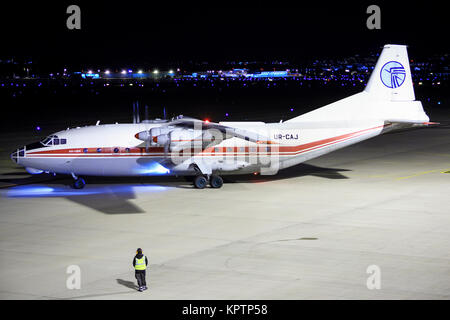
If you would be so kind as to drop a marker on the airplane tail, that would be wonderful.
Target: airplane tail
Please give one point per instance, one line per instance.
(388, 96)
(391, 79)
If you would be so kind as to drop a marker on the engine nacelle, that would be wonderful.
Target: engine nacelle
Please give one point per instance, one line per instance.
(177, 137)
(163, 136)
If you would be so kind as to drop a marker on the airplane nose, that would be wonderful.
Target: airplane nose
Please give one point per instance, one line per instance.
(16, 155)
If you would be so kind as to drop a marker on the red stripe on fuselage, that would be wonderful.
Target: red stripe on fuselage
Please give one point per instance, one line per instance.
(153, 151)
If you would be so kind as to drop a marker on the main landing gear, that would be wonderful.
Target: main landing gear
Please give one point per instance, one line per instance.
(201, 181)
(78, 182)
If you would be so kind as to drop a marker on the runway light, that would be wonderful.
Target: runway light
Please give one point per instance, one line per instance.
(123, 72)
(156, 71)
(140, 71)
(107, 72)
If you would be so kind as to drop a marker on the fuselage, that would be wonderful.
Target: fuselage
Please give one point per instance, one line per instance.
(114, 150)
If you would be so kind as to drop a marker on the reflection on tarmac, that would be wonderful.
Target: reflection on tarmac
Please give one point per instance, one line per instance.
(109, 199)
(31, 191)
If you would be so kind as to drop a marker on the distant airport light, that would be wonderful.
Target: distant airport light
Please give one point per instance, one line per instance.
(123, 72)
(156, 71)
(292, 109)
(170, 71)
(140, 71)
(226, 114)
(38, 128)
(107, 72)
(90, 71)
(130, 71)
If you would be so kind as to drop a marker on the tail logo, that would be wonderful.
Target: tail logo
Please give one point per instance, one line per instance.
(393, 74)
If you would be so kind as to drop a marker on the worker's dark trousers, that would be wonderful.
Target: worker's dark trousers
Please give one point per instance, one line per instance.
(140, 277)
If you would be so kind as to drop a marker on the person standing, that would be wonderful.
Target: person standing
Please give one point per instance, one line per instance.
(140, 263)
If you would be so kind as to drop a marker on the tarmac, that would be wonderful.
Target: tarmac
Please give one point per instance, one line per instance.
(310, 232)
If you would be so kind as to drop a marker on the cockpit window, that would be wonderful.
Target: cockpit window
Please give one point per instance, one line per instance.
(47, 141)
(53, 141)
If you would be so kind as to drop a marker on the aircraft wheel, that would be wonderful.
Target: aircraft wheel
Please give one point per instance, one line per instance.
(216, 181)
(79, 183)
(200, 182)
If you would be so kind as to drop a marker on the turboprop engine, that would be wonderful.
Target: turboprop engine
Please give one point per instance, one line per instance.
(176, 137)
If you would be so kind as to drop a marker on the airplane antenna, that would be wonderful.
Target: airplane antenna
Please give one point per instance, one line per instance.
(164, 112)
(134, 113)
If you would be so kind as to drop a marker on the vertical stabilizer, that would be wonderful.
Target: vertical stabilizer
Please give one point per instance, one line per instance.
(391, 78)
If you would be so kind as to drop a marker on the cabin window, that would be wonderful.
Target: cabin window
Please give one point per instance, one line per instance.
(99, 149)
(85, 150)
(55, 141)
(127, 149)
(116, 150)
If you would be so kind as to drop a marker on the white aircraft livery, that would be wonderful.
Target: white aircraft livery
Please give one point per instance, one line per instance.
(205, 150)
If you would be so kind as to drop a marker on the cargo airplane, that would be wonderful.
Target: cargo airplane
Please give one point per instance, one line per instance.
(205, 150)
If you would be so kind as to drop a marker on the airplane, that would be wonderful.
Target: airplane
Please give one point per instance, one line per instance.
(204, 151)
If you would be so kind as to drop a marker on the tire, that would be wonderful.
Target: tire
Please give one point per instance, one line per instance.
(79, 183)
(216, 181)
(200, 182)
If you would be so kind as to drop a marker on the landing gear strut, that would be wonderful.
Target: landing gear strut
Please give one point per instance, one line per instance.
(78, 182)
(203, 176)
(201, 181)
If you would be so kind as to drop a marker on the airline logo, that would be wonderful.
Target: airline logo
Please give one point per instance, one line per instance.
(393, 74)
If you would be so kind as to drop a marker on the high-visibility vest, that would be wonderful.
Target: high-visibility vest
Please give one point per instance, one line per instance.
(140, 264)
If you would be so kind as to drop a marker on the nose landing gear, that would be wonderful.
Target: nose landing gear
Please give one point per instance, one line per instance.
(78, 182)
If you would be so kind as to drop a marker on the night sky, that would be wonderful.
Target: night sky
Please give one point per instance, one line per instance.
(150, 32)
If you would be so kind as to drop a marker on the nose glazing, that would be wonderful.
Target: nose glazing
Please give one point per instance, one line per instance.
(16, 155)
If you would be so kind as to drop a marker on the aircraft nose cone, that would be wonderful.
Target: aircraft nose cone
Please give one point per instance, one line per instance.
(14, 156)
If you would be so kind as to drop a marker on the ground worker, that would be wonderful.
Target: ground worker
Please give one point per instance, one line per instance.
(140, 263)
